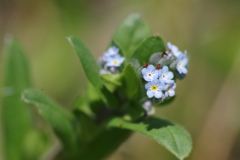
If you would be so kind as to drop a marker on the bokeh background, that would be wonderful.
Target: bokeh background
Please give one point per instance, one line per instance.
(207, 102)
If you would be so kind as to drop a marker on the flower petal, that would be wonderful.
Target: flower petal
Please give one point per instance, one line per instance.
(149, 94)
(169, 75)
(148, 85)
(144, 71)
(158, 94)
(151, 68)
(164, 69)
(171, 93)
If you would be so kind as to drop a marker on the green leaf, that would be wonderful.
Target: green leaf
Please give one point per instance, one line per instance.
(35, 145)
(150, 46)
(171, 136)
(111, 81)
(88, 62)
(132, 82)
(58, 118)
(130, 33)
(110, 138)
(92, 71)
(81, 104)
(15, 113)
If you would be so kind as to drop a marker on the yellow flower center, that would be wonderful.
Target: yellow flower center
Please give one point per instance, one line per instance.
(115, 62)
(179, 64)
(154, 87)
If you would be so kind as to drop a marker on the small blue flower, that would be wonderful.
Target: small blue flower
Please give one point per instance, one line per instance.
(112, 51)
(173, 50)
(165, 76)
(182, 62)
(154, 88)
(115, 61)
(150, 73)
(170, 90)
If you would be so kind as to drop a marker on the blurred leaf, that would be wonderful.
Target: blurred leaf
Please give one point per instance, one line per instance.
(87, 129)
(88, 62)
(150, 46)
(104, 144)
(171, 136)
(15, 114)
(134, 113)
(111, 81)
(131, 81)
(92, 71)
(130, 33)
(81, 104)
(59, 119)
(36, 144)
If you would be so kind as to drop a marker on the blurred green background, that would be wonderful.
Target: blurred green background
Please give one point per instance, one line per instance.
(207, 102)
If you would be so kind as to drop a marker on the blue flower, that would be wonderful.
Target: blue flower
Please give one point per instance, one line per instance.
(112, 51)
(154, 88)
(170, 90)
(182, 62)
(114, 61)
(173, 50)
(165, 76)
(150, 73)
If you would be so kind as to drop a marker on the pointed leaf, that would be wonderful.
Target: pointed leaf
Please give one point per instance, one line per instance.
(92, 71)
(150, 46)
(88, 62)
(59, 119)
(15, 113)
(171, 136)
(130, 33)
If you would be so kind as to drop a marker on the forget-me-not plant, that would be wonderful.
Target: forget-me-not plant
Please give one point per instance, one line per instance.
(115, 61)
(150, 73)
(181, 63)
(165, 76)
(173, 50)
(154, 89)
(170, 90)
(111, 61)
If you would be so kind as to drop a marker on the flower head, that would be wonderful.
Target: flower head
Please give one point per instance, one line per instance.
(154, 88)
(114, 61)
(150, 73)
(112, 51)
(173, 50)
(170, 90)
(182, 62)
(165, 76)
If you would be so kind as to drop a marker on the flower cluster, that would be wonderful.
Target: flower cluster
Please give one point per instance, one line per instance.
(111, 61)
(162, 72)
(181, 58)
(160, 83)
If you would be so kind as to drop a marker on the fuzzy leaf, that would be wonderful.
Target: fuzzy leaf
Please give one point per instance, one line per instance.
(58, 118)
(15, 113)
(92, 71)
(171, 136)
(88, 62)
(130, 33)
(150, 46)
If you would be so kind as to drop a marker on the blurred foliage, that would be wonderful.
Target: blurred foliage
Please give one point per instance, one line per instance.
(208, 30)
